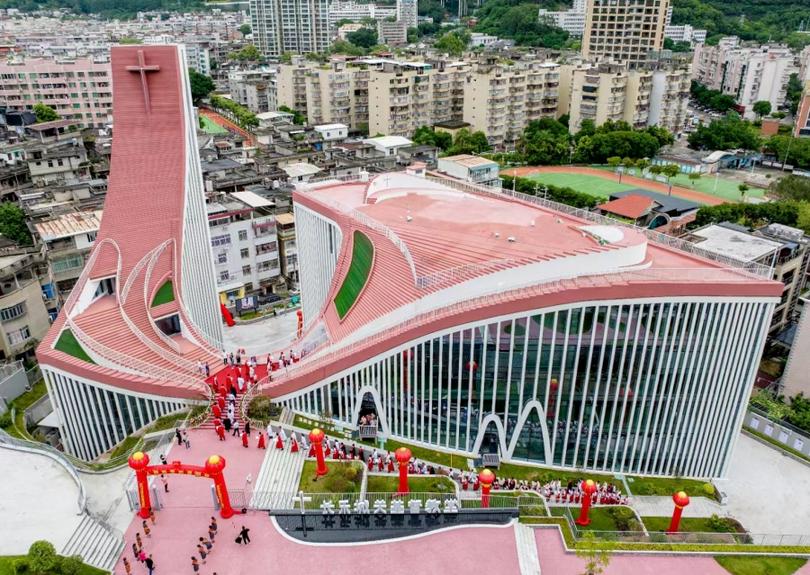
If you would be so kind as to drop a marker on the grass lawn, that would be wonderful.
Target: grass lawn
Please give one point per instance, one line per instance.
(123, 447)
(343, 477)
(308, 423)
(167, 421)
(742, 565)
(602, 518)
(544, 474)
(691, 524)
(211, 127)
(67, 343)
(416, 483)
(666, 486)
(7, 567)
(593, 185)
(359, 270)
(163, 295)
(725, 188)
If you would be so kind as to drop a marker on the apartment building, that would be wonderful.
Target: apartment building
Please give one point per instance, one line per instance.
(67, 240)
(624, 30)
(78, 89)
(501, 100)
(597, 93)
(24, 319)
(288, 249)
(407, 13)
(572, 20)
(295, 26)
(392, 33)
(52, 164)
(803, 114)
(358, 11)
(748, 73)
(254, 89)
(244, 245)
(669, 98)
(685, 33)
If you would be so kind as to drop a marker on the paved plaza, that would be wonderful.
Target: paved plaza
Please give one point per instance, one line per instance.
(273, 332)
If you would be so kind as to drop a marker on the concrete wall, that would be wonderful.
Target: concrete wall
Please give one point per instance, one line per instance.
(782, 433)
(12, 385)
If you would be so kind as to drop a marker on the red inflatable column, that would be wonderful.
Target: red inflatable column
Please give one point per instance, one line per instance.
(213, 467)
(487, 478)
(316, 437)
(403, 455)
(588, 489)
(139, 461)
(681, 500)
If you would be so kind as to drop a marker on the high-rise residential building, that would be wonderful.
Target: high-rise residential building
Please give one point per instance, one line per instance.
(803, 114)
(501, 100)
(747, 73)
(359, 11)
(685, 33)
(296, 26)
(641, 97)
(78, 89)
(572, 20)
(624, 31)
(407, 13)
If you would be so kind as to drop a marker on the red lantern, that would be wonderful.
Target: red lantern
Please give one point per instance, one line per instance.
(316, 436)
(403, 455)
(213, 467)
(487, 478)
(681, 500)
(588, 489)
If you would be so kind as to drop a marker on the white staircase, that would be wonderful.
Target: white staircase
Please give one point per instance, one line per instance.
(278, 478)
(95, 544)
(527, 550)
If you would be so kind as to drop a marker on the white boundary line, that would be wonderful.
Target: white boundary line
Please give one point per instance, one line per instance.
(391, 540)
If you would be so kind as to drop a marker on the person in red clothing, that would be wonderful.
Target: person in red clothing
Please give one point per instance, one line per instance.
(221, 432)
(262, 444)
(244, 439)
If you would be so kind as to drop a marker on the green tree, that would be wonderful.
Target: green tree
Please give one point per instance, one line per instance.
(247, 54)
(126, 40)
(12, 224)
(44, 113)
(347, 48)
(743, 189)
(245, 29)
(670, 171)
(793, 93)
(467, 142)
(726, 133)
(520, 22)
(694, 176)
(762, 108)
(452, 43)
(298, 117)
(426, 136)
(642, 164)
(795, 188)
(593, 553)
(363, 38)
(42, 558)
(793, 151)
(201, 85)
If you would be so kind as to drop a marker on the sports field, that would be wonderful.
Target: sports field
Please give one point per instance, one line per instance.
(592, 185)
(211, 127)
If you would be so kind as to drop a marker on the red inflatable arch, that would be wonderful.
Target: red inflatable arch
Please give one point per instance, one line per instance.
(214, 465)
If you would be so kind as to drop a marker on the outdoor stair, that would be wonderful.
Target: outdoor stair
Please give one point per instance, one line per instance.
(527, 550)
(277, 482)
(95, 544)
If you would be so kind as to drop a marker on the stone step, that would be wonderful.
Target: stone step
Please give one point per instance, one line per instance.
(278, 478)
(95, 544)
(527, 550)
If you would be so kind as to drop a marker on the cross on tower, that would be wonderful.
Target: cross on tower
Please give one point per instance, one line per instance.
(142, 69)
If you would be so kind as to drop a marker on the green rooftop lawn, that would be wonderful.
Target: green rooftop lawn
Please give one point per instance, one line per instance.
(416, 483)
(164, 295)
(342, 477)
(211, 127)
(668, 486)
(748, 565)
(67, 343)
(693, 524)
(357, 276)
(609, 518)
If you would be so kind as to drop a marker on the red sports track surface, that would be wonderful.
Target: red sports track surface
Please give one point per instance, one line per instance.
(228, 125)
(188, 509)
(679, 191)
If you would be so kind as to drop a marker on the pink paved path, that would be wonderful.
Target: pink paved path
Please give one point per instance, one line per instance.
(555, 560)
(188, 509)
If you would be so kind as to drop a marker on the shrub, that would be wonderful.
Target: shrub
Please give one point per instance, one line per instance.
(624, 518)
(71, 565)
(708, 489)
(5, 420)
(42, 558)
(21, 565)
(720, 524)
(263, 409)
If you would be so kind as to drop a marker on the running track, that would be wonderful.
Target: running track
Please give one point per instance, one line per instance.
(679, 191)
(228, 125)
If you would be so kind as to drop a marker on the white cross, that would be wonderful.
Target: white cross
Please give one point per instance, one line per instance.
(303, 501)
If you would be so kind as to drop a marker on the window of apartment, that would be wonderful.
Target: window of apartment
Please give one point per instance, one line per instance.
(222, 258)
(91, 236)
(245, 253)
(223, 240)
(268, 265)
(66, 264)
(246, 270)
(224, 276)
(13, 312)
(19, 336)
(266, 248)
(242, 235)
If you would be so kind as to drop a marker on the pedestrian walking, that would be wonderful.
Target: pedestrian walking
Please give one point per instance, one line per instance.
(127, 567)
(245, 437)
(164, 482)
(135, 550)
(244, 534)
(142, 556)
(247, 427)
(195, 565)
(152, 516)
(139, 541)
(163, 459)
(186, 441)
(220, 432)
(212, 533)
(207, 370)
(214, 524)
(146, 530)
(178, 436)
(235, 428)
(208, 545)
(202, 552)
(150, 564)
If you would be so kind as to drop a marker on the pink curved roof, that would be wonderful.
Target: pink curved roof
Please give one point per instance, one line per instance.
(140, 238)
